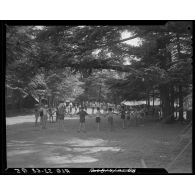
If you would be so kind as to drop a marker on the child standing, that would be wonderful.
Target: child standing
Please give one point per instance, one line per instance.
(104, 108)
(61, 110)
(56, 111)
(93, 107)
(75, 109)
(70, 105)
(85, 106)
(123, 116)
(82, 115)
(110, 118)
(36, 112)
(50, 111)
(128, 115)
(98, 119)
(43, 115)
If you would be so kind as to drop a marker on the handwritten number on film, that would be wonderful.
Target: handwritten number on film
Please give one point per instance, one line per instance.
(21, 170)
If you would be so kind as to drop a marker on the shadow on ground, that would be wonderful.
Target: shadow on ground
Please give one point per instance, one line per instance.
(63, 153)
(152, 143)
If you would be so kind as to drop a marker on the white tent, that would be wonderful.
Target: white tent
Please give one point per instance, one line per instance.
(135, 103)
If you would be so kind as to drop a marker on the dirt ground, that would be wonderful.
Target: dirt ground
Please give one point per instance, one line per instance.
(150, 144)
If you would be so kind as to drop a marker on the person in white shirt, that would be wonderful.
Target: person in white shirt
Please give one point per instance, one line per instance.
(70, 107)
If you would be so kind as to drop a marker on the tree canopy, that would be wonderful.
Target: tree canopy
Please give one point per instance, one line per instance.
(97, 62)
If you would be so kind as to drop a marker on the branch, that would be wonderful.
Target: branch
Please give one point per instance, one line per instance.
(103, 64)
(111, 43)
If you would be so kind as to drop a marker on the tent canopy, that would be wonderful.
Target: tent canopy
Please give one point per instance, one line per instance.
(133, 103)
(136, 103)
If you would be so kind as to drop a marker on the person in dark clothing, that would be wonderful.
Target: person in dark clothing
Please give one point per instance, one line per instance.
(56, 110)
(123, 115)
(98, 118)
(61, 110)
(50, 112)
(41, 113)
(37, 114)
(82, 115)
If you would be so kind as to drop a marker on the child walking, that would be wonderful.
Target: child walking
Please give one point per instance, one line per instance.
(82, 115)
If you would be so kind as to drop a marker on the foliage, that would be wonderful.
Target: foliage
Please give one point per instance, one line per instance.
(84, 62)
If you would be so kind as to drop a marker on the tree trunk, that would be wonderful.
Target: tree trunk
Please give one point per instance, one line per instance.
(39, 100)
(172, 98)
(153, 97)
(180, 103)
(100, 93)
(20, 104)
(180, 86)
(147, 98)
(177, 103)
(160, 107)
(166, 109)
(165, 87)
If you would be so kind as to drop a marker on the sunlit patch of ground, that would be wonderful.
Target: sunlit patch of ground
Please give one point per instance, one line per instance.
(56, 159)
(19, 152)
(67, 152)
(85, 142)
(19, 119)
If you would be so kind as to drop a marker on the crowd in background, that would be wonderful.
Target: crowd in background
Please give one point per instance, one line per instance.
(70, 109)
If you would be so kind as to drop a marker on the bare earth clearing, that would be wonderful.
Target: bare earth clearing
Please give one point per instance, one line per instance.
(151, 144)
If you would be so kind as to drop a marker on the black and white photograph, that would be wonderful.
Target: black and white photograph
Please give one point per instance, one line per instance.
(99, 96)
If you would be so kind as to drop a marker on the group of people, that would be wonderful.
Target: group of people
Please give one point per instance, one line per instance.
(127, 114)
(82, 114)
(43, 112)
